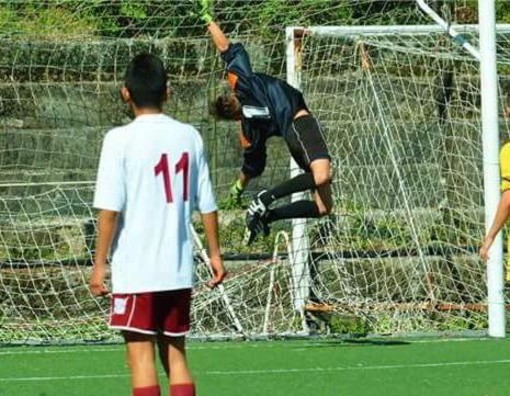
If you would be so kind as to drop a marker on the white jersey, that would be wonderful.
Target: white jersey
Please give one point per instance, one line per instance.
(154, 172)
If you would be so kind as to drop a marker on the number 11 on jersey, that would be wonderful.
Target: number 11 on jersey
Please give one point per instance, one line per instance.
(163, 168)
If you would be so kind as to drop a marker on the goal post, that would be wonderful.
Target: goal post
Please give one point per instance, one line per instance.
(490, 128)
(489, 96)
(446, 26)
(300, 243)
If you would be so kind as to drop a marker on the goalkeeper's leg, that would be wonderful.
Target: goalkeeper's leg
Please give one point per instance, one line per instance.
(259, 216)
(307, 145)
(322, 203)
(258, 210)
(317, 179)
(320, 206)
(302, 182)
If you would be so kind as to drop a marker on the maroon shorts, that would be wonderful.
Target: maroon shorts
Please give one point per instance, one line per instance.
(164, 312)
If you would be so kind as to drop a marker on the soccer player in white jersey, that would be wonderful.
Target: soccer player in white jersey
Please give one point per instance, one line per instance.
(152, 174)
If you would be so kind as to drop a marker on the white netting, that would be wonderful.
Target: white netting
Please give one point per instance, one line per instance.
(403, 119)
(402, 234)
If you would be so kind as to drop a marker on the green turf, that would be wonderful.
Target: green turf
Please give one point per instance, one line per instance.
(283, 368)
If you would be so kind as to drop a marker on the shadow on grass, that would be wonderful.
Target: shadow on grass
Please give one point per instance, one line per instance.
(354, 341)
(376, 342)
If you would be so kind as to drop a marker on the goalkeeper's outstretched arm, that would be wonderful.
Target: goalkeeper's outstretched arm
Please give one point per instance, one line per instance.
(218, 37)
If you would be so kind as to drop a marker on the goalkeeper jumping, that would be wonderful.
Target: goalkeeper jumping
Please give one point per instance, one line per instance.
(266, 107)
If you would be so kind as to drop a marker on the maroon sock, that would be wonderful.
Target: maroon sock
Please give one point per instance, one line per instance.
(147, 391)
(182, 390)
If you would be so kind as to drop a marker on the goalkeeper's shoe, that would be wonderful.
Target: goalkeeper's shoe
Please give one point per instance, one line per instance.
(254, 227)
(255, 219)
(256, 208)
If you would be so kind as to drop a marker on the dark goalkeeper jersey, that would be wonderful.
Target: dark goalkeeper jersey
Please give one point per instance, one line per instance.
(269, 105)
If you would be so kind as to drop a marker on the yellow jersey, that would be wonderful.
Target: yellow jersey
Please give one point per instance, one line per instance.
(504, 166)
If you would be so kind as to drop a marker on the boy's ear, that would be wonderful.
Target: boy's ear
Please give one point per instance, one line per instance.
(125, 95)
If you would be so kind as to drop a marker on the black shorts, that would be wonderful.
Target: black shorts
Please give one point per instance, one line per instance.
(306, 142)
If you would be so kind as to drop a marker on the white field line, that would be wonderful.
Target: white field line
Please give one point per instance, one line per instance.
(359, 367)
(221, 345)
(274, 371)
(119, 348)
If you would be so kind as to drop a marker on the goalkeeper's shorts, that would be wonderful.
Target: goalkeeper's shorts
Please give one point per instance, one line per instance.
(306, 142)
(163, 312)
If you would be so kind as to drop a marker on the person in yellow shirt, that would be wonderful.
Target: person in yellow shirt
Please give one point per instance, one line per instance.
(503, 211)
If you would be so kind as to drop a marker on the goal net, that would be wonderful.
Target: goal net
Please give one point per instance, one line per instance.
(402, 117)
(401, 106)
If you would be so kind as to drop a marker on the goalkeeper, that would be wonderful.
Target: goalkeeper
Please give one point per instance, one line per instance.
(266, 107)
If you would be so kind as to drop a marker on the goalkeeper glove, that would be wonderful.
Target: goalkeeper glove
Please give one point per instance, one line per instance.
(206, 11)
(237, 188)
(234, 196)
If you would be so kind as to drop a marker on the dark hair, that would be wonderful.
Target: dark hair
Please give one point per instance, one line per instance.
(224, 107)
(146, 80)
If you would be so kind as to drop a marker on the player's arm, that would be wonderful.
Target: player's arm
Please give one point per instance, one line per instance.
(206, 204)
(243, 180)
(253, 165)
(106, 225)
(254, 160)
(236, 58)
(210, 221)
(109, 198)
(218, 37)
(502, 214)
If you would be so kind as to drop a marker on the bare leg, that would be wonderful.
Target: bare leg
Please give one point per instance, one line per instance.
(163, 346)
(323, 197)
(179, 371)
(141, 359)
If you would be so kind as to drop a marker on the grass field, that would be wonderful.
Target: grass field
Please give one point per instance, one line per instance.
(477, 367)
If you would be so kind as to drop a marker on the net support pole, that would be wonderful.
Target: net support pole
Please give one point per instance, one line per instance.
(300, 244)
(449, 29)
(490, 140)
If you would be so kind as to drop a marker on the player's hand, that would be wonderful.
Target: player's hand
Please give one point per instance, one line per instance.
(484, 250)
(96, 285)
(206, 11)
(234, 198)
(218, 272)
(234, 195)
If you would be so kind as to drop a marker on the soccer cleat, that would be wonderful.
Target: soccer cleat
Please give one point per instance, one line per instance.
(255, 222)
(257, 225)
(256, 208)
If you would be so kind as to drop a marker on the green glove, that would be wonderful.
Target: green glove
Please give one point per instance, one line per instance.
(206, 11)
(237, 189)
(234, 201)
